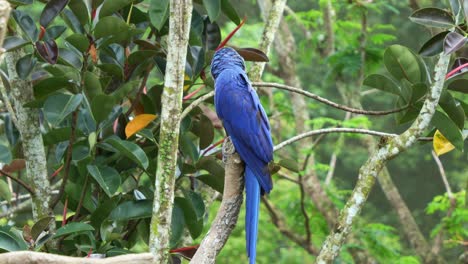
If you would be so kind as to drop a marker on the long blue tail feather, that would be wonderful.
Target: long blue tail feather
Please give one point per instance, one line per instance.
(252, 189)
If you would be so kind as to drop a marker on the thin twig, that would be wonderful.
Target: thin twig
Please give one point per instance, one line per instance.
(443, 175)
(140, 91)
(332, 130)
(195, 103)
(68, 160)
(20, 182)
(326, 101)
(304, 211)
(277, 219)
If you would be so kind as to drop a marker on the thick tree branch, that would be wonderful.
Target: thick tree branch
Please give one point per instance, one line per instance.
(376, 162)
(31, 257)
(160, 229)
(228, 212)
(27, 123)
(326, 101)
(272, 21)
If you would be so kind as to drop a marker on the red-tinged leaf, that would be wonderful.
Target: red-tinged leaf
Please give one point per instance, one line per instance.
(48, 50)
(433, 17)
(14, 166)
(93, 53)
(252, 54)
(51, 10)
(186, 252)
(434, 46)
(223, 43)
(453, 42)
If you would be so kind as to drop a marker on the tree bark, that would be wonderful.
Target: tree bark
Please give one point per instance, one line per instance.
(31, 257)
(27, 122)
(160, 229)
(228, 212)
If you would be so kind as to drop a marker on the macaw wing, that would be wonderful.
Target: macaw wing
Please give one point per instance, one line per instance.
(245, 121)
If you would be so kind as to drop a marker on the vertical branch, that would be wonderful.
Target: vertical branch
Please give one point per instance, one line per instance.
(27, 122)
(271, 26)
(328, 14)
(376, 162)
(179, 28)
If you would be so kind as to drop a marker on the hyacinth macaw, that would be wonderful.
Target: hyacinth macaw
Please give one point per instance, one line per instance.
(244, 119)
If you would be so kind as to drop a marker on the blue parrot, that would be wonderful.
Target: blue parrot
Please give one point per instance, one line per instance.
(245, 121)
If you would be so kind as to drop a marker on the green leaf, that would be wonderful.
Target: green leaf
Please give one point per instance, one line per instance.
(213, 8)
(57, 135)
(112, 70)
(289, 164)
(79, 41)
(81, 11)
(103, 211)
(132, 210)
(139, 56)
(433, 17)
(434, 45)
(158, 13)
(101, 106)
(211, 165)
(5, 192)
(20, 2)
(459, 85)
(194, 225)
(453, 42)
(401, 63)
(111, 6)
(92, 85)
(9, 241)
(109, 26)
(5, 154)
(108, 178)
(382, 83)
(73, 228)
(55, 32)
(130, 150)
(12, 43)
(26, 24)
(453, 109)
(70, 58)
(215, 182)
(25, 65)
(230, 12)
(197, 203)
(41, 226)
(51, 10)
(58, 106)
(449, 129)
(177, 225)
(50, 85)
(124, 90)
(206, 132)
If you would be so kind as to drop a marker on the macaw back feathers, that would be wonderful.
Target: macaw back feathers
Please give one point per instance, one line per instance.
(245, 121)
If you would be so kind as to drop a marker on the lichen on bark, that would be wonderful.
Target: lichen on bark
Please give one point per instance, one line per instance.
(160, 230)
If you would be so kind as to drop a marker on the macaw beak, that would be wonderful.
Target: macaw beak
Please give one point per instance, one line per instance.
(252, 54)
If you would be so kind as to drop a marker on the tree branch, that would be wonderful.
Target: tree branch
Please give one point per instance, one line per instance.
(19, 181)
(196, 103)
(332, 130)
(326, 101)
(31, 257)
(228, 212)
(376, 162)
(279, 222)
(179, 28)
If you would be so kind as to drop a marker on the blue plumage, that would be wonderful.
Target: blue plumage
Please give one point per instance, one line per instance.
(238, 106)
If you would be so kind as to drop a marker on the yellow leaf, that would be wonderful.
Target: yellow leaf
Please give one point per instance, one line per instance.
(441, 144)
(138, 123)
(187, 86)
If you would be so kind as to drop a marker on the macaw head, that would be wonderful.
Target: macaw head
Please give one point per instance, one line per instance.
(226, 58)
